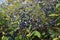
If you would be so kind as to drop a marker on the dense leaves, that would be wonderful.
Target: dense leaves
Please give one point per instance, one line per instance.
(30, 20)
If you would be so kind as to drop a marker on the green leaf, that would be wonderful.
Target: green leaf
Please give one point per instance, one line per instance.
(5, 38)
(54, 15)
(58, 6)
(36, 33)
(58, 23)
(11, 32)
(18, 37)
(55, 38)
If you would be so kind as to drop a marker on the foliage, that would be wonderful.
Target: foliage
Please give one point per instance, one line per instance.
(30, 20)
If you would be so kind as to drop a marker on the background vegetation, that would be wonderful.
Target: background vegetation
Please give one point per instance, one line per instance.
(30, 20)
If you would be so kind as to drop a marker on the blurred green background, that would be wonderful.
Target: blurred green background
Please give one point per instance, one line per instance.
(29, 19)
